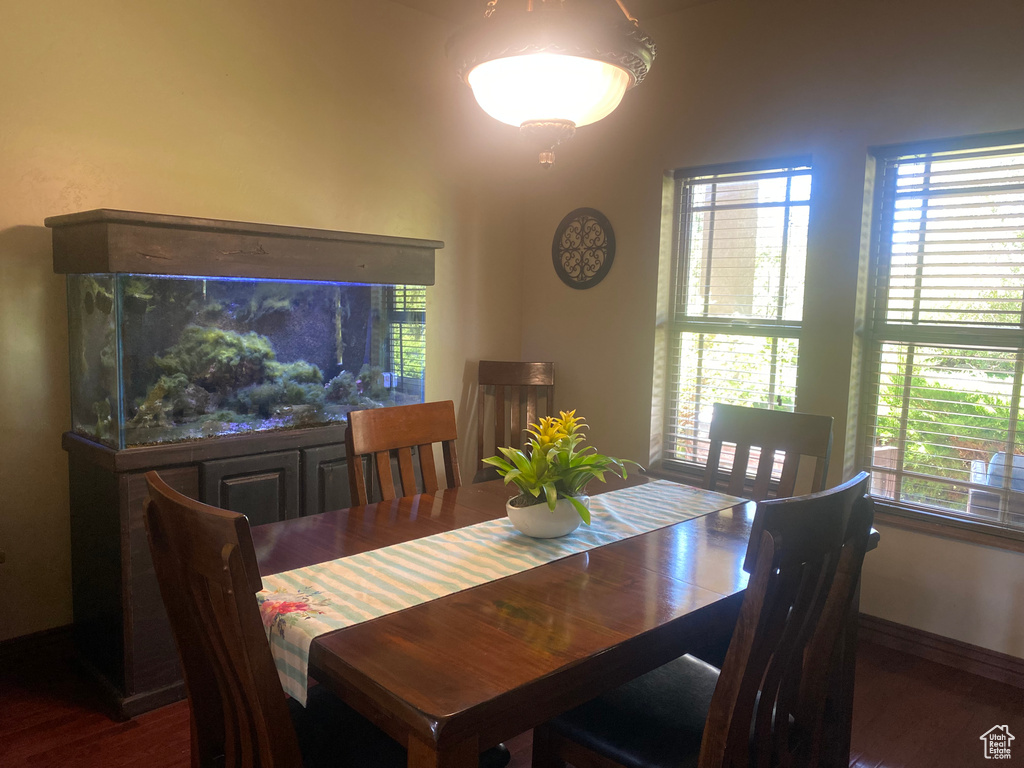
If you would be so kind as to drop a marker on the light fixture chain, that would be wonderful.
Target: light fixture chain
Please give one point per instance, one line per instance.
(622, 7)
(491, 5)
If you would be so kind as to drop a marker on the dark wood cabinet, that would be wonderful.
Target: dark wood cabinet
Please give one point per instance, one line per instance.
(263, 488)
(121, 629)
(325, 479)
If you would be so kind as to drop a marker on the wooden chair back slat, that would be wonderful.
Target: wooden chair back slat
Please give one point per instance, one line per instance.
(517, 390)
(385, 478)
(499, 417)
(733, 699)
(821, 663)
(796, 434)
(406, 472)
(480, 430)
(451, 464)
(763, 478)
(515, 416)
(738, 479)
(207, 574)
(384, 432)
(531, 405)
(767, 709)
(428, 472)
(790, 469)
(356, 472)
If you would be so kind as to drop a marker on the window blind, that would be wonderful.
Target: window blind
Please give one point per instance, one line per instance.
(407, 335)
(947, 334)
(737, 296)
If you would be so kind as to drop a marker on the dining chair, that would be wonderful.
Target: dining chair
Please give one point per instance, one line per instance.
(380, 433)
(767, 706)
(207, 573)
(796, 435)
(519, 394)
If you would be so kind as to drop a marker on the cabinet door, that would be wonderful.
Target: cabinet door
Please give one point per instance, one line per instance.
(325, 479)
(264, 488)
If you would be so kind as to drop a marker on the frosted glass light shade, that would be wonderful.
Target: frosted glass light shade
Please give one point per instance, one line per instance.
(548, 86)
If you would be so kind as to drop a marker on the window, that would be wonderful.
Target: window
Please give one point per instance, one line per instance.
(736, 306)
(407, 337)
(946, 351)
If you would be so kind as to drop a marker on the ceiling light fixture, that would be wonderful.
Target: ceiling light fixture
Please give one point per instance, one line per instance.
(551, 66)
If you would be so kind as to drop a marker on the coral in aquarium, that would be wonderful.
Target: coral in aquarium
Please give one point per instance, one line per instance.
(234, 374)
(299, 372)
(367, 390)
(342, 389)
(287, 384)
(171, 396)
(370, 383)
(217, 360)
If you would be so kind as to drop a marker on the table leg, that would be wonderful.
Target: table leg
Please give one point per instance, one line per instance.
(427, 754)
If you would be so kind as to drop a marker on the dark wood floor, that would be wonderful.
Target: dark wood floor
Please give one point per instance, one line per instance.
(908, 713)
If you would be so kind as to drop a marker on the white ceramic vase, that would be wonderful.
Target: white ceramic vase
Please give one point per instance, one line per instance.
(540, 522)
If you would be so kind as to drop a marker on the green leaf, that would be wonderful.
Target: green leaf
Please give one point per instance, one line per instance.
(582, 510)
(552, 495)
(502, 465)
(517, 457)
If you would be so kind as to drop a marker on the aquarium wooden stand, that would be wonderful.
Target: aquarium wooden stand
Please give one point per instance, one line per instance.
(119, 337)
(121, 630)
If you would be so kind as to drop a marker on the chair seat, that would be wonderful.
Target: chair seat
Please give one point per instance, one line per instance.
(333, 735)
(655, 721)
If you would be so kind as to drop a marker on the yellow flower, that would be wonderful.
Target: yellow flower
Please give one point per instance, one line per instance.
(570, 423)
(547, 431)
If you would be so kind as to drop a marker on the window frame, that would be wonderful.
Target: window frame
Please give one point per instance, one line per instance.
(897, 513)
(681, 211)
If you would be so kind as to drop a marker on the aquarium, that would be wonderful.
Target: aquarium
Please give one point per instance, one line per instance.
(160, 359)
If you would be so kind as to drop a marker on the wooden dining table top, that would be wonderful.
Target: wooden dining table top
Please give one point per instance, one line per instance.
(453, 676)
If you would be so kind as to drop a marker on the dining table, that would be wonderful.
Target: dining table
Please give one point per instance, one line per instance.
(452, 676)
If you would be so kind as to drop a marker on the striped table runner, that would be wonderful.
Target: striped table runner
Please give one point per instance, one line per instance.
(298, 605)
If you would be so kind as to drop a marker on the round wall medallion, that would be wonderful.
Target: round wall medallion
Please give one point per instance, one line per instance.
(583, 248)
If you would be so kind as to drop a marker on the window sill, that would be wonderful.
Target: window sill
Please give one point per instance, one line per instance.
(687, 474)
(693, 474)
(895, 516)
(892, 515)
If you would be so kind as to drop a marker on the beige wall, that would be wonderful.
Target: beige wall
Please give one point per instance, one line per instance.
(256, 111)
(743, 80)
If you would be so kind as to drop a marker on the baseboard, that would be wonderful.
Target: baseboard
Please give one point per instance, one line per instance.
(119, 706)
(944, 650)
(57, 641)
(140, 703)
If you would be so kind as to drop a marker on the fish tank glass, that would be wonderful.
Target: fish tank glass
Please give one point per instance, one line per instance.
(158, 359)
